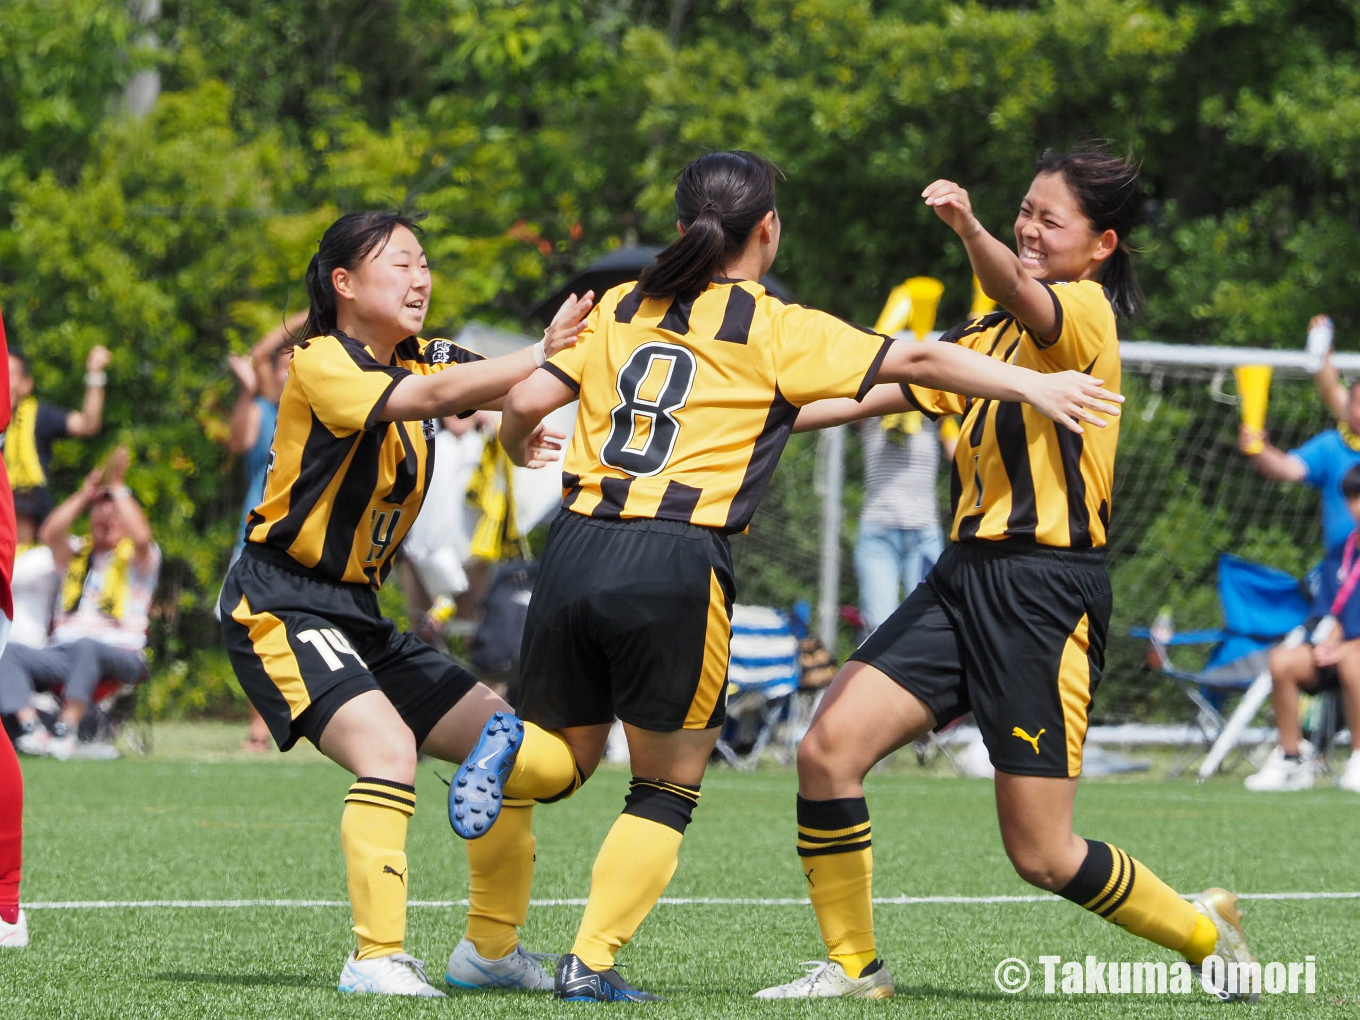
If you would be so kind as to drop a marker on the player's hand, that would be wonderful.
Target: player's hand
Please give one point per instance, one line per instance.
(1326, 654)
(1251, 441)
(244, 370)
(1070, 398)
(952, 205)
(539, 450)
(98, 359)
(567, 324)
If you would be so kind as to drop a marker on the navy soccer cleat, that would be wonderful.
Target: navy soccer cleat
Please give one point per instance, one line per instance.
(575, 982)
(475, 793)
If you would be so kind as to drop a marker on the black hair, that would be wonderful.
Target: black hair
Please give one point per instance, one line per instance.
(1350, 482)
(719, 199)
(1106, 189)
(346, 242)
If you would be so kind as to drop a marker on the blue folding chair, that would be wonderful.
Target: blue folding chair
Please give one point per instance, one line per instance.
(762, 681)
(1261, 606)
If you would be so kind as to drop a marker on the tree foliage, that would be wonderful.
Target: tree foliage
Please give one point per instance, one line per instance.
(538, 136)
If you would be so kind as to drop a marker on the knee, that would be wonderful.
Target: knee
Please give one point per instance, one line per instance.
(820, 758)
(392, 756)
(1039, 868)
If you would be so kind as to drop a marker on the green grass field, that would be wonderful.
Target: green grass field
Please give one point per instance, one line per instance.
(196, 822)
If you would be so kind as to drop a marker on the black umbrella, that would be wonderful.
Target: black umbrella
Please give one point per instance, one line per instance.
(619, 267)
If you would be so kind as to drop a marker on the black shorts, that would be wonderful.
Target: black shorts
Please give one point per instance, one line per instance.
(303, 646)
(1015, 634)
(629, 619)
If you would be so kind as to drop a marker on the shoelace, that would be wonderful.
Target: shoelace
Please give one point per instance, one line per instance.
(538, 958)
(414, 966)
(815, 971)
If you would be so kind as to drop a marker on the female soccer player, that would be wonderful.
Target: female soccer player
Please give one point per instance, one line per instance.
(689, 382)
(1011, 623)
(351, 457)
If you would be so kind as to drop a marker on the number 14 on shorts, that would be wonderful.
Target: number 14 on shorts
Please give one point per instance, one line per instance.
(330, 644)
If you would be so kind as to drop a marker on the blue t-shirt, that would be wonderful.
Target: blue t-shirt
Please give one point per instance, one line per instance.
(256, 463)
(1329, 583)
(1327, 457)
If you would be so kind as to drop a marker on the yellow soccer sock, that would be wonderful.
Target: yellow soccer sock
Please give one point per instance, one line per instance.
(631, 871)
(834, 849)
(500, 876)
(373, 836)
(1124, 891)
(545, 769)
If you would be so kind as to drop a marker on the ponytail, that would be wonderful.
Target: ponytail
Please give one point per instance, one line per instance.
(1118, 279)
(346, 243)
(719, 199)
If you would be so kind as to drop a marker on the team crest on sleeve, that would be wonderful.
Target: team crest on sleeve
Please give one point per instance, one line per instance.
(439, 352)
(428, 426)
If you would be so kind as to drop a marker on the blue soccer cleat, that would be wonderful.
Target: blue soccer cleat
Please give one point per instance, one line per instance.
(475, 793)
(575, 982)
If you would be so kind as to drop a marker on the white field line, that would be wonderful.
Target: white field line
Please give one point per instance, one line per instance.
(671, 901)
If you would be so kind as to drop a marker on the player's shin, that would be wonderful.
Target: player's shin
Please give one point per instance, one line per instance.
(835, 853)
(373, 836)
(500, 877)
(1125, 892)
(633, 867)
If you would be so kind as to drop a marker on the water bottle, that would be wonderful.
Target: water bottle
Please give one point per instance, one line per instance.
(1319, 344)
(1161, 632)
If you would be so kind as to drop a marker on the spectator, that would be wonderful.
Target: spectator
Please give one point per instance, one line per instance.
(34, 585)
(899, 527)
(1329, 660)
(37, 424)
(260, 376)
(101, 615)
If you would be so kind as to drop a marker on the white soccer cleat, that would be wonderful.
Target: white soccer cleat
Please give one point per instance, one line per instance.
(1280, 774)
(14, 936)
(34, 740)
(1220, 906)
(1350, 778)
(401, 974)
(62, 746)
(828, 980)
(468, 970)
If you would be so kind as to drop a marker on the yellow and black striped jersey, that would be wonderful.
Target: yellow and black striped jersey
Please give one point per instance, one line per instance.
(343, 488)
(686, 403)
(1017, 474)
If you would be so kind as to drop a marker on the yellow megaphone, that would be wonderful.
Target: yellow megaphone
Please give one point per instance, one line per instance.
(912, 303)
(982, 304)
(1253, 389)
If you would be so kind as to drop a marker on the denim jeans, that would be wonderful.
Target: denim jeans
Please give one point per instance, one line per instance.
(886, 557)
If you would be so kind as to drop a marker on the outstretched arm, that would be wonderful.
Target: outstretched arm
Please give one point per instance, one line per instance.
(482, 384)
(1270, 461)
(822, 414)
(522, 434)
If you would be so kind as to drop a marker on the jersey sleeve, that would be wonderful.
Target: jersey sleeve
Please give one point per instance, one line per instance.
(50, 423)
(569, 366)
(818, 356)
(346, 386)
(975, 334)
(1317, 456)
(1085, 325)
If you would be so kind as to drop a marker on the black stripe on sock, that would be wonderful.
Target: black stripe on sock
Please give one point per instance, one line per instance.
(1133, 877)
(407, 802)
(1093, 875)
(844, 848)
(661, 804)
(577, 781)
(832, 814)
(808, 838)
(385, 782)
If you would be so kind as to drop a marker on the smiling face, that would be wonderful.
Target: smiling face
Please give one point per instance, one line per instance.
(1053, 237)
(386, 297)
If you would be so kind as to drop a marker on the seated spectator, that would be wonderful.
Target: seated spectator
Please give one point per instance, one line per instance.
(1329, 660)
(108, 580)
(37, 424)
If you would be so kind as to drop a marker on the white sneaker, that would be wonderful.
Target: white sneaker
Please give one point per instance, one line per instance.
(33, 740)
(828, 980)
(1278, 773)
(401, 974)
(469, 970)
(1350, 778)
(1220, 906)
(14, 936)
(95, 750)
